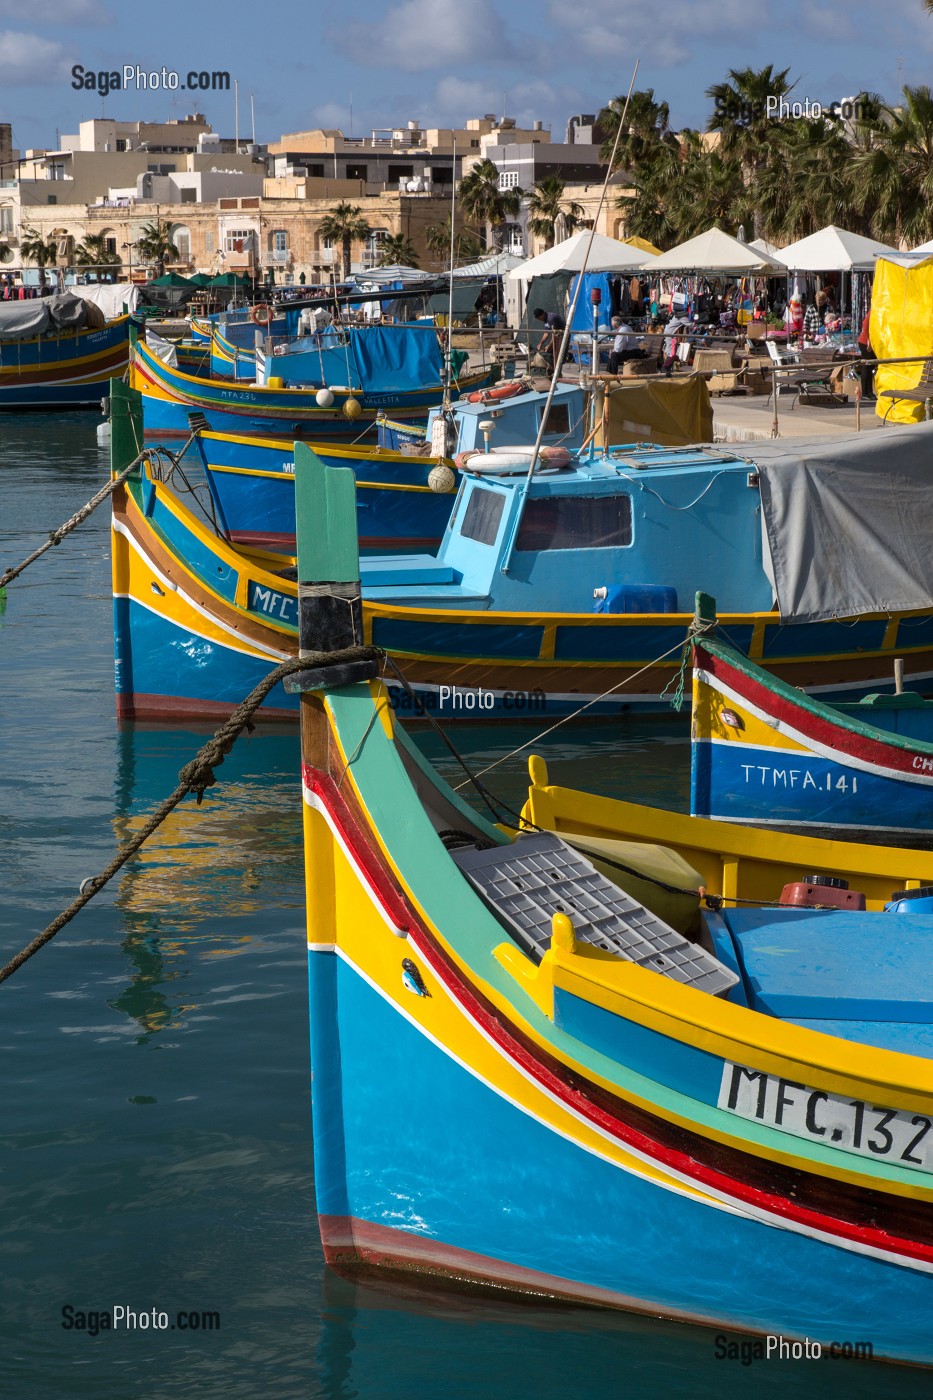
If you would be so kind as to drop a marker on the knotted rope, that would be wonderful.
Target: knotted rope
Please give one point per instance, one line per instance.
(196, 776)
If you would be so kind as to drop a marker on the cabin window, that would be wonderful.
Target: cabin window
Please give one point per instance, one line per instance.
(558, 420)
(575, 522)
(482, 516)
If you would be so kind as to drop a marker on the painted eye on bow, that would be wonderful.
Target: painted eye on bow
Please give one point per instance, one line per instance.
(731, 720)
(412, 979)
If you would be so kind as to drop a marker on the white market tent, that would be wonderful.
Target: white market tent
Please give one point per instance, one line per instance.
(715, 251)
(496, 266)
(770, 250)
(606, 255)
(834, 249)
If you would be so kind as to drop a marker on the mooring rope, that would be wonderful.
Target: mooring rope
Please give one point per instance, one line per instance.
(196, 776)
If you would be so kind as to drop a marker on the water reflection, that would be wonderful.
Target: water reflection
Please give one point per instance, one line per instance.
(381, 1341)
(183, 894)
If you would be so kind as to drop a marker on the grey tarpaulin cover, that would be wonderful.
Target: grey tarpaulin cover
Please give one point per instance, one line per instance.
(848, 523)
(21, 320)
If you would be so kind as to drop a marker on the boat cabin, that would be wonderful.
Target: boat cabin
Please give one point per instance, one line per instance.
(632, 529)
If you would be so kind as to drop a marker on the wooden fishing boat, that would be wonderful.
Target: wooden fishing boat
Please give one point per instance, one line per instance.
(59, 366)
(344, 413)
(494, 626)
(765, 752)
(403, 504)
(525, 1080)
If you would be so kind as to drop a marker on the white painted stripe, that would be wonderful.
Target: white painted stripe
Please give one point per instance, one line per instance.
(255, 649)
(780, 726)
(314, 801)
(700, 1191)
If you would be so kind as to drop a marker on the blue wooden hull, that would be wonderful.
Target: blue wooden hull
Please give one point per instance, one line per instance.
(421, 1165)
(253, 487)
(69, 370)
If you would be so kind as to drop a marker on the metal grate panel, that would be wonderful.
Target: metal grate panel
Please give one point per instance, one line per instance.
(539, 875)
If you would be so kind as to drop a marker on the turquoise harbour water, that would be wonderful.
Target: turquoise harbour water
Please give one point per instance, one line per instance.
(155, 1137)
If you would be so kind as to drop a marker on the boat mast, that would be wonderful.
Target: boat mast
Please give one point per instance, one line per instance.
(565, 338)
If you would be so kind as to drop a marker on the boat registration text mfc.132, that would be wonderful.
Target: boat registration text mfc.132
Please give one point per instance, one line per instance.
(849, 1125)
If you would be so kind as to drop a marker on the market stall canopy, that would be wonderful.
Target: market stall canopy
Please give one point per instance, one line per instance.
(496, 266)
(606, 255)
(834, 249)
(714, 251)
(171, 279)
(635, 242)
(770, 250)
(379, 276)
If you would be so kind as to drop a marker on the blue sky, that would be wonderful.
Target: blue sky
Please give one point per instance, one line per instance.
(440, 60)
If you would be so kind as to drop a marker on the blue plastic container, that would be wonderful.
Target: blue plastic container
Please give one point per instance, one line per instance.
(918, 901)
(636, 598)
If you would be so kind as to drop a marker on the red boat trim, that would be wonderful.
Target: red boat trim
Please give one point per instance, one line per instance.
(832, 736)
(550, 1076)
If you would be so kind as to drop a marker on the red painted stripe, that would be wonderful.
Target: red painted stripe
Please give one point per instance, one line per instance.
(405, 917)
(824, 731)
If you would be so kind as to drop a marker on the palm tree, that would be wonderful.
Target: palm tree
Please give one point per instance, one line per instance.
(93, 252)
(35, 248)
(154, 245)
(468, 246)
(647, 128)
(547, 205)
(396, 249)
(895, 174)
(741, 114)
(483, 201)
(807, 182)
(345, 225)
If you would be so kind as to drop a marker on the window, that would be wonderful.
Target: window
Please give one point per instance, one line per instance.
(401, 172)
(558, 420)
(356, 172)
(279, 240)
(189, 196)
(121, 144)
(482, 516)
(209, 243)
(575, 522)
(508, 179)
(316, 171)
(6, 218)
(474, 143)
(110, 244)
(52, 199)
(441, 175)
(238, 240)
(181, 237)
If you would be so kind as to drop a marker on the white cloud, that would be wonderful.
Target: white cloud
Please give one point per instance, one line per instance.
(58, 12)
(28, 59)
(665, 34)
(419, 35)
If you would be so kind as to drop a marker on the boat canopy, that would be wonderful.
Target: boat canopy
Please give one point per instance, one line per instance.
(20, 320)
(846, 524)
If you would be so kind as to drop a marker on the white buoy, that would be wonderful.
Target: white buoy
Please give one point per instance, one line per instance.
(103, 434)
(324, 398)
(441, 479)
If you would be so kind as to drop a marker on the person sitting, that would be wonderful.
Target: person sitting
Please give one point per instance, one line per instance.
(624, 345)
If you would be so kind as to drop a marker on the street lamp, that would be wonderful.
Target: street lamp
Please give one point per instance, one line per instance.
(124, 247)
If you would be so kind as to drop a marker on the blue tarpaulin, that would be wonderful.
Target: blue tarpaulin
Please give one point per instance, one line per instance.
(583, 314)
(396, 357)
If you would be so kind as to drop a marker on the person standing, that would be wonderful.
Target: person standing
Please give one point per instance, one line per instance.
(549, 344)
(866, 373)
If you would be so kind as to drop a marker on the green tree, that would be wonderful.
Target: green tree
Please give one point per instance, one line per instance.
(395, 248)
(484, 202)
(894, 175)
(345, 224)
(547, 205)
(154, 245)
(468, 246)
(740, 114)
(647, 129)
(35, 248)
(93, 252)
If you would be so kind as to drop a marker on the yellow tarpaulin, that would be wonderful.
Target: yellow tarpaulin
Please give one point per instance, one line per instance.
(642, 243)
(670, 412)
(901, 324)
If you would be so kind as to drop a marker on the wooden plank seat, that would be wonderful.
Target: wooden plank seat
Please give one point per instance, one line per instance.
(922, 392)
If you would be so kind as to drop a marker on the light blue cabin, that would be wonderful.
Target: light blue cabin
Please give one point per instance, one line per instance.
(647, 524)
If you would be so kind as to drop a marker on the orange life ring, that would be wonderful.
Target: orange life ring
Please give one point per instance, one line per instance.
(501, 391)
(261, 315)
